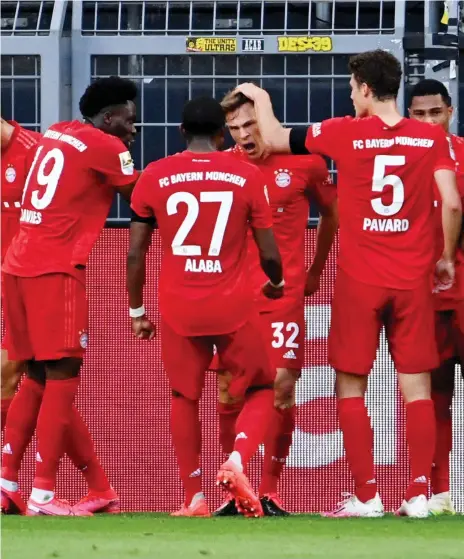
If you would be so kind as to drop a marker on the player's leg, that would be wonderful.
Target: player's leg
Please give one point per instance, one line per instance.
(20, 426)
(185, 361)
(410, 331)
(352, 345)
(442, 396)
(283, 332)
(101, 498)
(24, 409)
(11, 372)
(228, 412)
(244, 355)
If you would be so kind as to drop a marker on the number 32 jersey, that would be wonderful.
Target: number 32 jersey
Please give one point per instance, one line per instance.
(204, 204)
(385, 195)
(66, 199)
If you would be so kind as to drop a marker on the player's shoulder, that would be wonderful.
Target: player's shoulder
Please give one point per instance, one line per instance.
(457, 143)
(24, 138)
(298, 162)
(88, 134)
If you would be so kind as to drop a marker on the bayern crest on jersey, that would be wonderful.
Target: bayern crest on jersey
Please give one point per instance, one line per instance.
(10, 174)
(83, 339)
(283, 178)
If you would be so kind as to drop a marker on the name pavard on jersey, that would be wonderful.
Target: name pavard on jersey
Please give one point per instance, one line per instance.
(381, 179)
(201, 264)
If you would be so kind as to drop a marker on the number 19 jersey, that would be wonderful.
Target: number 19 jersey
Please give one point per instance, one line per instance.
(204, 204)
(386, 195)
(66, 199)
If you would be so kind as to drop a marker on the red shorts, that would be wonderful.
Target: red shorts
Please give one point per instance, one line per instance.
(449, 331)
(360, 310)
(46, 317)
(283, 332)
(186, 359)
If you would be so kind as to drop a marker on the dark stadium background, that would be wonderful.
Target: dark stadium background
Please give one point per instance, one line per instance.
(50, 53)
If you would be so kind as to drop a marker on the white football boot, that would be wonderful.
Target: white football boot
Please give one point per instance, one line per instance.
(441, 503)
(351, 506)
(416, 507)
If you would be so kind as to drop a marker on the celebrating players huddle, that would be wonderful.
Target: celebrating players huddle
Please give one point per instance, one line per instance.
(233, 281)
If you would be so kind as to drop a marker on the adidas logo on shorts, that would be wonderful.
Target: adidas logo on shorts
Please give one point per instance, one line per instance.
(290, 354)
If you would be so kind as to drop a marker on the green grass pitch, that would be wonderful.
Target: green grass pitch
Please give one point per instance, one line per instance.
(157, 536)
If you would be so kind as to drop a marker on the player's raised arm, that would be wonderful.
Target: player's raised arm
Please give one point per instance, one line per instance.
(323, 191)
(141, 229)
(327, 138)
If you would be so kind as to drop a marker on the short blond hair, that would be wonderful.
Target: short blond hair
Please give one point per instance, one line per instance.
(234, 100)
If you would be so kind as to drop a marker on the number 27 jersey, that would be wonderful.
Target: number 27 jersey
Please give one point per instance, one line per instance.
(385, 195)
(204, 204)
(66, 199)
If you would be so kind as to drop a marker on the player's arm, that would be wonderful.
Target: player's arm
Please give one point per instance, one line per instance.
(261, 225)
(451, 211)
(323, 191)
(114, 162)
(6, 130)
(141, 229)
(325, 138)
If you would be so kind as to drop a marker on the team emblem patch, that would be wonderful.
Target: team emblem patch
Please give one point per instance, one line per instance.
(10, 174)
(127, 164)
(283, 178)
(84, 340)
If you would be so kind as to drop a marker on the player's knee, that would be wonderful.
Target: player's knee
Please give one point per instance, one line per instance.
(443, 377)
(11, 375)
(284, 389)
(348, 385)
(415, 386)
(63, 369)
(223, 388)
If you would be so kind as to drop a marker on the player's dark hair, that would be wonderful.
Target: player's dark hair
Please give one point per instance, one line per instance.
(430, 87)
(233, 101)
(203, 116)
(380, 70)
(106, 92)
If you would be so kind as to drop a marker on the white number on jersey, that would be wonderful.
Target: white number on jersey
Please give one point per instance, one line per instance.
(193, 211)
(380, 181)
(50, 180)
(279, 338)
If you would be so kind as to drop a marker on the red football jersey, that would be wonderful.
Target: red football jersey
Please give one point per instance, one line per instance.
(67, 198)
(204, 204)
(385, 195)
(290, 179)
(14, 172)
(446, 300)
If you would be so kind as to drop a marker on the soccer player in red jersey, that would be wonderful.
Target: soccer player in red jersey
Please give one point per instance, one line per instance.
(386, 170)
(204, 202)
(68, 192)
(17, 143)
(431, 102)
(291, 182)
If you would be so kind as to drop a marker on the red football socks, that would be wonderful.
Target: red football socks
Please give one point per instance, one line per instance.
(5, 407)
(253, 423)
(277, 446)
(421, 437)
(186, 437)
(444, 444)
(358, 438)
(20, 426)
(54, 419)
(80, 449)
(228, 414)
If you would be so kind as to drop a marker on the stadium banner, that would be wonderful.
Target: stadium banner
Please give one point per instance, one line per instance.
(211, 44)
(125, 399)
(304, 44)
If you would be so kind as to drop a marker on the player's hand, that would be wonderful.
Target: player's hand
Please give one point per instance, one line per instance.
(313, 283)
(444, 275)
(272, 292)
(252, 91)
(143, 328)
